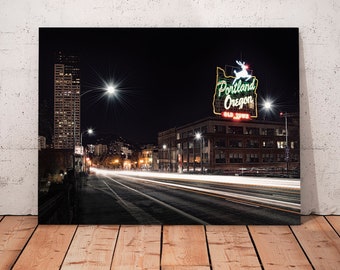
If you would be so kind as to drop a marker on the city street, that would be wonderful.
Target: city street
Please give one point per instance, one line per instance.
(118, 197)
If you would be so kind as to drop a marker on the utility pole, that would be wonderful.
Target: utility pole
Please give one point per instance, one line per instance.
(286, 115)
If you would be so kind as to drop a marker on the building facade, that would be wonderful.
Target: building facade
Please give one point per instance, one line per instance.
(66, 102)
(100, 149)
(216, 145)
(148, 158)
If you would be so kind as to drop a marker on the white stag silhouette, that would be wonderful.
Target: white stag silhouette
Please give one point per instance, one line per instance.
(243, 73)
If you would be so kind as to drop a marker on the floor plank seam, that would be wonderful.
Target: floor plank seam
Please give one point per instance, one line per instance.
(255, 248)
(300, 245)
(207, 246)
(23, 248)
(68, 248)
(330, 223)
(161, 248)
(115, 247)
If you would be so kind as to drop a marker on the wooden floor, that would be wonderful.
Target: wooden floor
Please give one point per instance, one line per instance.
(313, 245)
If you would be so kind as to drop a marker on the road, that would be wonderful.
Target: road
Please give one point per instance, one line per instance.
(110, 197)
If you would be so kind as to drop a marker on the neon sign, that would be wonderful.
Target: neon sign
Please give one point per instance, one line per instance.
(235, 115)
(235, 97)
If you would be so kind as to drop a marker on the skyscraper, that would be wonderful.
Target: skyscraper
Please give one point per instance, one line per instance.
(66, 101)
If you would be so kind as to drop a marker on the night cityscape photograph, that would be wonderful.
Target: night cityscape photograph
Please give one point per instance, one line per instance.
(169, 126)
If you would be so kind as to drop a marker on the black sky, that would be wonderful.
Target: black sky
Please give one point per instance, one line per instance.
(166, 76)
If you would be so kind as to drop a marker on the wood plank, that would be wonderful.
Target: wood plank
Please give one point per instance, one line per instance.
(186, 268)
(319, 241)
(230, 247)
(335, 222)
(92, 248)
(138, 247)
(14, 234)
(278, 248)
(184, 246)
(46, 248)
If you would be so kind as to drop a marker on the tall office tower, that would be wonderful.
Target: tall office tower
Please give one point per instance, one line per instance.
(66, 101)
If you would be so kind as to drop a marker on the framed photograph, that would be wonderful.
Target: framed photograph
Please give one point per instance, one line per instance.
(169, 126)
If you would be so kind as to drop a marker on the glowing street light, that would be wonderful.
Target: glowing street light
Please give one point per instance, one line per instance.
(199, 137)
(89, 131)
(267, 105)
(165, 147)
(111, 89)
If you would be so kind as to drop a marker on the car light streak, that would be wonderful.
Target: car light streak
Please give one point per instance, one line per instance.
(238, 198)
(248, 198)
(227, 179)
(255, 200)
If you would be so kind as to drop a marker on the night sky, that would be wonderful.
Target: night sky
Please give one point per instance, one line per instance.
(166, 76)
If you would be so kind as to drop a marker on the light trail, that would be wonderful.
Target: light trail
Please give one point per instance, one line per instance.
(226, 179)
(253, 199)
(231, 196)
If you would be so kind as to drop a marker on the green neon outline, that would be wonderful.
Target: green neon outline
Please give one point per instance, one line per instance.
(232, 77)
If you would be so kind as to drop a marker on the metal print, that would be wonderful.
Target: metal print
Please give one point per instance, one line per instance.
(169, 126)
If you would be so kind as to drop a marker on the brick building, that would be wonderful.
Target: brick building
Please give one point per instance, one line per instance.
(217, 145)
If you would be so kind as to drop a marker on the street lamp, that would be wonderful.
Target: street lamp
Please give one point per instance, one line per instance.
(164, 149)
(199, 137)
(267, 106)
(110, 90)
(89, 131)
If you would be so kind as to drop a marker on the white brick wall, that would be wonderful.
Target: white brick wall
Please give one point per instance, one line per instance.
(319, 25)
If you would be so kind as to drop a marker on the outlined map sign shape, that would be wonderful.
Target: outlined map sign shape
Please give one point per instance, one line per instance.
(235, 96)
